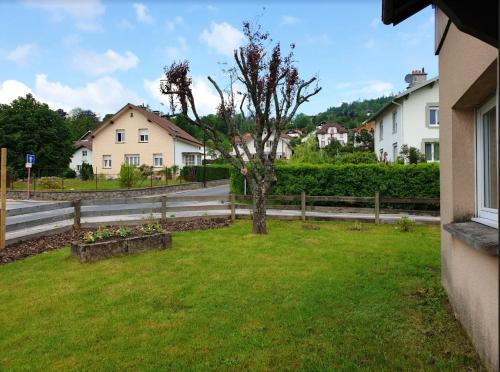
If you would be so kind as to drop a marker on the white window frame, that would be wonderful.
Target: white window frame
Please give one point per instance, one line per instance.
(433, 108)
(381, 130)
(145, 134)
(189, 159)
(122, 132)
(433, 151)
(394, 121)
(129, 157)
(486, 216)
(394, 152)
(106, 162)
(158, 157)
(84, 152)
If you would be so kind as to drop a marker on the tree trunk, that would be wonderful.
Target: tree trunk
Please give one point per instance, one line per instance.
(259, 209)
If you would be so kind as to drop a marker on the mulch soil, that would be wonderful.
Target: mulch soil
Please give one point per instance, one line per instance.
(36, 246)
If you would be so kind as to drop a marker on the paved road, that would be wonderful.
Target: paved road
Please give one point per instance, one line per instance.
(209, 191)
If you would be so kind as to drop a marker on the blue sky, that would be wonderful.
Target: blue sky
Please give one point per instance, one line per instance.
(99, 55)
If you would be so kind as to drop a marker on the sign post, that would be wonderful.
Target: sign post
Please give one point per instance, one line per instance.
(30, 161)
(3, 193)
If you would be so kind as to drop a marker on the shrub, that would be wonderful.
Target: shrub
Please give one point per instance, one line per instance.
(405, 224)
(129, 175)
(359, 157)
(69, 173)
(167, 173)
(214, 172)
(392, 180)
(49, 183)
(86, 172)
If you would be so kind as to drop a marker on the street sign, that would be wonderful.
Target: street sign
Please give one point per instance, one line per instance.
(28, 165)
(30, 159)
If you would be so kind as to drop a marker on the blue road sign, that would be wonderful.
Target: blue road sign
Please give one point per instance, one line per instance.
(30, 159)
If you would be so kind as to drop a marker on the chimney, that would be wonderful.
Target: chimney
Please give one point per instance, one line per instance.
(416, 77)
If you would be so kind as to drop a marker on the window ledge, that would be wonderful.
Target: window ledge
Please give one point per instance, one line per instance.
(480, 237)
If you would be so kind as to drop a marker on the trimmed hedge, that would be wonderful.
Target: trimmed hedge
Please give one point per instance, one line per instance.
(392, 180)
(214, 172)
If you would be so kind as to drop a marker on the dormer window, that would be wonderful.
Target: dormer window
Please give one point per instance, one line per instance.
(143, 135)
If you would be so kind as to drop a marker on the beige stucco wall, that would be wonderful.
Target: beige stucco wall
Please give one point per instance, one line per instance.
(104, 143)
(470, 277)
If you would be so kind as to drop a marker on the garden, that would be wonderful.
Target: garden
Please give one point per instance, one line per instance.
(313, 296)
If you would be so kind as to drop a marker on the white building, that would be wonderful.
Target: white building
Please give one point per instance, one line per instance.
(326, 132)
(411, 119)
(283, 151)
(83, 152)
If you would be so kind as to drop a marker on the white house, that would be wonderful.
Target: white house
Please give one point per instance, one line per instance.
(283, 151)
(326, 132)
(411, 118)
(83, 152)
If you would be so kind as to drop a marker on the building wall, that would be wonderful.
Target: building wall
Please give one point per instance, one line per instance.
(412, 129)
(327, 137)
(470, 277)
(160, 142)
(78, 158)
(283, 149)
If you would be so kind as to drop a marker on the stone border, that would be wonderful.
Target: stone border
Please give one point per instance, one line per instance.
(101, 250)
(111, 194)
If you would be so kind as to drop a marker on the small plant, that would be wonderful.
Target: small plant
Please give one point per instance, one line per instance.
(103, 233)
(152, 228)
(357, 226)
(405, 224)
(123, 232)
(172, 215)
(89, 237)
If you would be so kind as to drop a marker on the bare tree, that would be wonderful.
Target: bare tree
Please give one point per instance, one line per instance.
(264, 87)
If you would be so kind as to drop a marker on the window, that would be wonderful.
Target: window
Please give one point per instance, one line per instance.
(84, 152)
(189, 159)
(133, 159)
(381, 154)
(394, 152)
(394, 121)
(322, 144)
(143, 135)
(120, 136)
(381, 131)
(431, 150)
(131, 114)
(78, 167)
(199, 160)
(486, 165)
(106, 161)
(432, 114)
(158, 160)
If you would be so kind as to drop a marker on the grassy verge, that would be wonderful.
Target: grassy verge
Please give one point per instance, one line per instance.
(328, 299)
(75, 184)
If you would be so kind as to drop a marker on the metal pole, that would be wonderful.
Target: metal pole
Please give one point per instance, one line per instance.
(3, 201)
(28, 183)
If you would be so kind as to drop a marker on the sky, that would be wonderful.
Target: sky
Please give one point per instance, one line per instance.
(99, 55)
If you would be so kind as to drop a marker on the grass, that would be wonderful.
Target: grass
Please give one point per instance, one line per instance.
(75, 184)
(328, 299)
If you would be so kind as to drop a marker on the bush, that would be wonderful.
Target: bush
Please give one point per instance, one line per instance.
(392, 180)
(86, 172)
(49, 183)
(214, 172)
(359, 157)
(129, 175)
(405, 224)
(69, 173)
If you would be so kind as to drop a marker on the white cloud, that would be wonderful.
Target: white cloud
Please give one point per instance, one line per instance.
(12, 89)
(176, 52)
(289, 20)
(21, 53)
(365, 89)
(222, 37)
(375, 22)
(322, 39)
(206, 98)
(142, 13)
(85, 14)
(101, 63)
(172, 24)
(104, 95)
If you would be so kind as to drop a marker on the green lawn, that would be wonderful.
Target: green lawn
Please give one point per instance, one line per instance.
(76, 184)
(332, 299)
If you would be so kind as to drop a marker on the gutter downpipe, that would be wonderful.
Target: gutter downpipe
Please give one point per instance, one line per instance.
(402, 134)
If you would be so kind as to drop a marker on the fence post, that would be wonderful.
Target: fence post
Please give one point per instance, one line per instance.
(377, 207)
(95, 176)
(233, 207)
(3, 200)
(77, 204)
(164, 208)
(303, 205)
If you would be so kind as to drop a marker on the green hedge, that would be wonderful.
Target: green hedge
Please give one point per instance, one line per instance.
(394, 180)
(214, 172)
